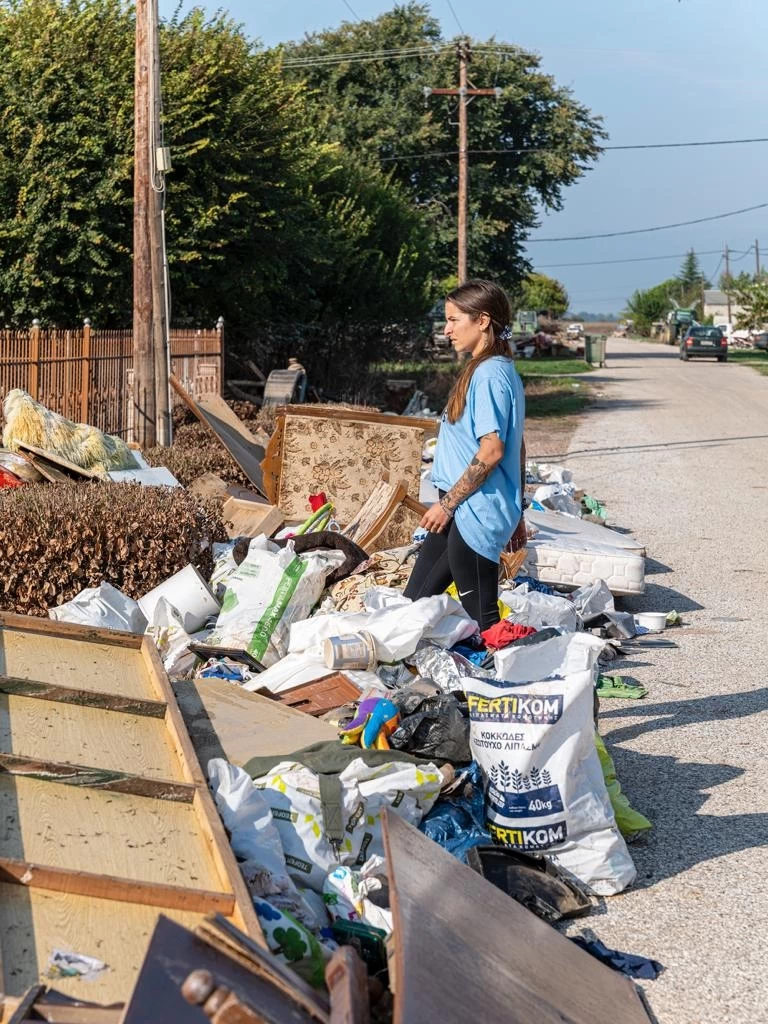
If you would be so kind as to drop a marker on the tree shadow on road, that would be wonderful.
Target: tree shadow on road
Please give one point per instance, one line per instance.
(671, 791)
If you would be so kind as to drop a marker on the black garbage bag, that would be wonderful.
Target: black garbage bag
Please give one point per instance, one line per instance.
(434, 726)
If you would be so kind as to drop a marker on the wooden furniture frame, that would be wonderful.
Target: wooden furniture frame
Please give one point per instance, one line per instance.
(108, 816)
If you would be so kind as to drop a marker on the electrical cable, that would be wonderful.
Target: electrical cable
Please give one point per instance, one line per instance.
(658, 227)
(363, 56)
(351, 10)
(635, 259)
(533, 149)
(456, 17)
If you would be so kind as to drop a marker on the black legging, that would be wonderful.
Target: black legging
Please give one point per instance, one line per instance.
(446, 557)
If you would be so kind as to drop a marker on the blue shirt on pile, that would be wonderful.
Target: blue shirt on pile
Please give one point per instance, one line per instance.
(495, 402)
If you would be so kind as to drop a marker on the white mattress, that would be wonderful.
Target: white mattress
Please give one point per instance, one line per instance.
(569, 552)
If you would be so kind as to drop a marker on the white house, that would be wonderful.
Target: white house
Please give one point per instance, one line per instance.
(716, 306)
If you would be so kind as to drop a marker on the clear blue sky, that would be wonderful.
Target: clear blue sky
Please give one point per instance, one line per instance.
(657, 71)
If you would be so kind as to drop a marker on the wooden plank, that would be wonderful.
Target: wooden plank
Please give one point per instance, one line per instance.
(85, 698)
(347, 981)
(430, 426)
(114, 742)
(123, 890)
(70, 469)
(116, 834)
(249, 518)
(105, 780)
(30, 624)
(226, 721)
(76, 1013)
(33, 922)
(495, 960)
(320, 696)
(26, 1003)
(208, 817)
(214, 413)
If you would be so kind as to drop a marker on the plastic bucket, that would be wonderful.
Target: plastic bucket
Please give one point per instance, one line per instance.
(189, 594)
(354, 651)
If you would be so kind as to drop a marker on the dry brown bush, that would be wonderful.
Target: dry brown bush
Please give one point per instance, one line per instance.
(58, 539)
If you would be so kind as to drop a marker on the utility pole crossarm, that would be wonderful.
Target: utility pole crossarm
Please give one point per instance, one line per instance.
(428, 91)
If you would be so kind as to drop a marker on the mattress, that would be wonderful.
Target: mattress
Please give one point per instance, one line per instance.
(570, 552)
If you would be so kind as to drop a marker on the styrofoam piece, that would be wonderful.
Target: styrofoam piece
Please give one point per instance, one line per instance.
(157, 476)
(189, 594)
(651, 620)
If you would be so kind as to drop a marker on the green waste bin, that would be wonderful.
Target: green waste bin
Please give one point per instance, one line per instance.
(594, 349)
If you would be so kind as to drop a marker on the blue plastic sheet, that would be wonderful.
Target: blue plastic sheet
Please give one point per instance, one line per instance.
(458, 823)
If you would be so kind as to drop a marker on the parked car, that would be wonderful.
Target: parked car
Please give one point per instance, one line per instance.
(761, 340)
(700, 340)
(575, 330)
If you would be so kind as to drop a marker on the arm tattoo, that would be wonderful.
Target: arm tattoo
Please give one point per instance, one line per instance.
(474, 476)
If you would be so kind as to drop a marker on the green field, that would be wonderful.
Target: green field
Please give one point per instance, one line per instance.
(753, 357)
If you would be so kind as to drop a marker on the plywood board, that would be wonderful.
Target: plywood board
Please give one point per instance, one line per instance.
(250, 518)
(214, 413)
(102, 801)
(224, 720)
(494, 960)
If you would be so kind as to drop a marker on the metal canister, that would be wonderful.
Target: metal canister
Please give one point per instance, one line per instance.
(353, 651)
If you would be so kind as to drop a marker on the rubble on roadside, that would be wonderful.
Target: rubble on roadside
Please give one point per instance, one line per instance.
(286, 596)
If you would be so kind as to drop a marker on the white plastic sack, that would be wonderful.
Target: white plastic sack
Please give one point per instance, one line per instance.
(396, 628)
(533, 736)
(293, 795)
(254, 837)
(346, 892)
(550, 473)
(558, 498)
(103, 606)
(271, 588)
(531, 608)
(593, 600)
(224, 567)
(172, 640)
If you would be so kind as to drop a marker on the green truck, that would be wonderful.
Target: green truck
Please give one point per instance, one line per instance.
(678, 322)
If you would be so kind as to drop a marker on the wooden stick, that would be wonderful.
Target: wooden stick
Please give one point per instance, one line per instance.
(85, 698)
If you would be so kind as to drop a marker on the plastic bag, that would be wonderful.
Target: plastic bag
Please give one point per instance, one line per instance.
(224, 567)
(270, 589)
(448, 669)
(593, 600)
(254, 838)
(292, 792)
(103, 606)
(172, 640)
(457, 821)
(291, 942)
(632, 823)
(347, 893)
(396, 627)
(534, 739)
(431, 726)
(532, 608)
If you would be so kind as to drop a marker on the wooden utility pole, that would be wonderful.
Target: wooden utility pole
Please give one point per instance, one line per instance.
(464, 92)
(728, 280)
(757, 260)
(143, 335)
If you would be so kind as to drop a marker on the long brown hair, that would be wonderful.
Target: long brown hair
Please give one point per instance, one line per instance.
(476, 298)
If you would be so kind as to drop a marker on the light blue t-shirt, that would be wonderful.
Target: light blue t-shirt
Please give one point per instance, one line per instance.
(495, 402)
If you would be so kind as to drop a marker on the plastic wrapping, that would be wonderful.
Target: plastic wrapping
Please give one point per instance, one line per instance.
(431, 726)
(457, 822)
(103, 606)
(532, 608)
(593, 600)
(446, 668)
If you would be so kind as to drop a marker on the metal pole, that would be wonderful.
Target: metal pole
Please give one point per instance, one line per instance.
(757, 260)
(728, 280)
(463, 163)
(143, 353)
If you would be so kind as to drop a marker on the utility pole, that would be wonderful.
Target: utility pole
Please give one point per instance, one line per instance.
(757, 260)
(728, 280)
(150, 292)
(464, 92)
(143, 335)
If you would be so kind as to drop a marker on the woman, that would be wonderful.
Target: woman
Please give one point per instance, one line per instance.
(477, 469)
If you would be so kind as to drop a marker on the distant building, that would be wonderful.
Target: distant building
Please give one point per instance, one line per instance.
(716, 306)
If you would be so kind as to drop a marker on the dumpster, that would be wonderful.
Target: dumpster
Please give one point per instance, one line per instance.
(594, 349)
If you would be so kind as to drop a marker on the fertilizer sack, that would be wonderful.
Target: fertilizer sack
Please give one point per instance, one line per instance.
(533, 736)
(270, 589)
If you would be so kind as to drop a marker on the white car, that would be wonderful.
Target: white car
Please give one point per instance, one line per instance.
(575, 330)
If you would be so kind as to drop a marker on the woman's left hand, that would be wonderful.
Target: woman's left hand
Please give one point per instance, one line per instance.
(435, 519)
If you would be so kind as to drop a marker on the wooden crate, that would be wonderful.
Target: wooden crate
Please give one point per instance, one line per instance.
(108, 820)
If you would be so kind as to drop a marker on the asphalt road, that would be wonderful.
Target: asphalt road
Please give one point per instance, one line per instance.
(679, 452)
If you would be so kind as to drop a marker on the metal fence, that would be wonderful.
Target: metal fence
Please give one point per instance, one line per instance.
(86, 374)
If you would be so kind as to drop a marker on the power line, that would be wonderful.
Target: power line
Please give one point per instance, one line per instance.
(603, 149)
(456, 17)
(635, 259)
(398, 53)
(659, 227)
(351, 9)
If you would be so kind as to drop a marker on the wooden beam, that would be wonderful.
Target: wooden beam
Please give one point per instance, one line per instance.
(110, 887)
(85, 698)
(96, 778)
(71, 631)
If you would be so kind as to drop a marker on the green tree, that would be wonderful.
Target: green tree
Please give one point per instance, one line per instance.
(266, 218)
(753, 299)
(691, 276)
(651, 304)
(377, 110)
(544, 294)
